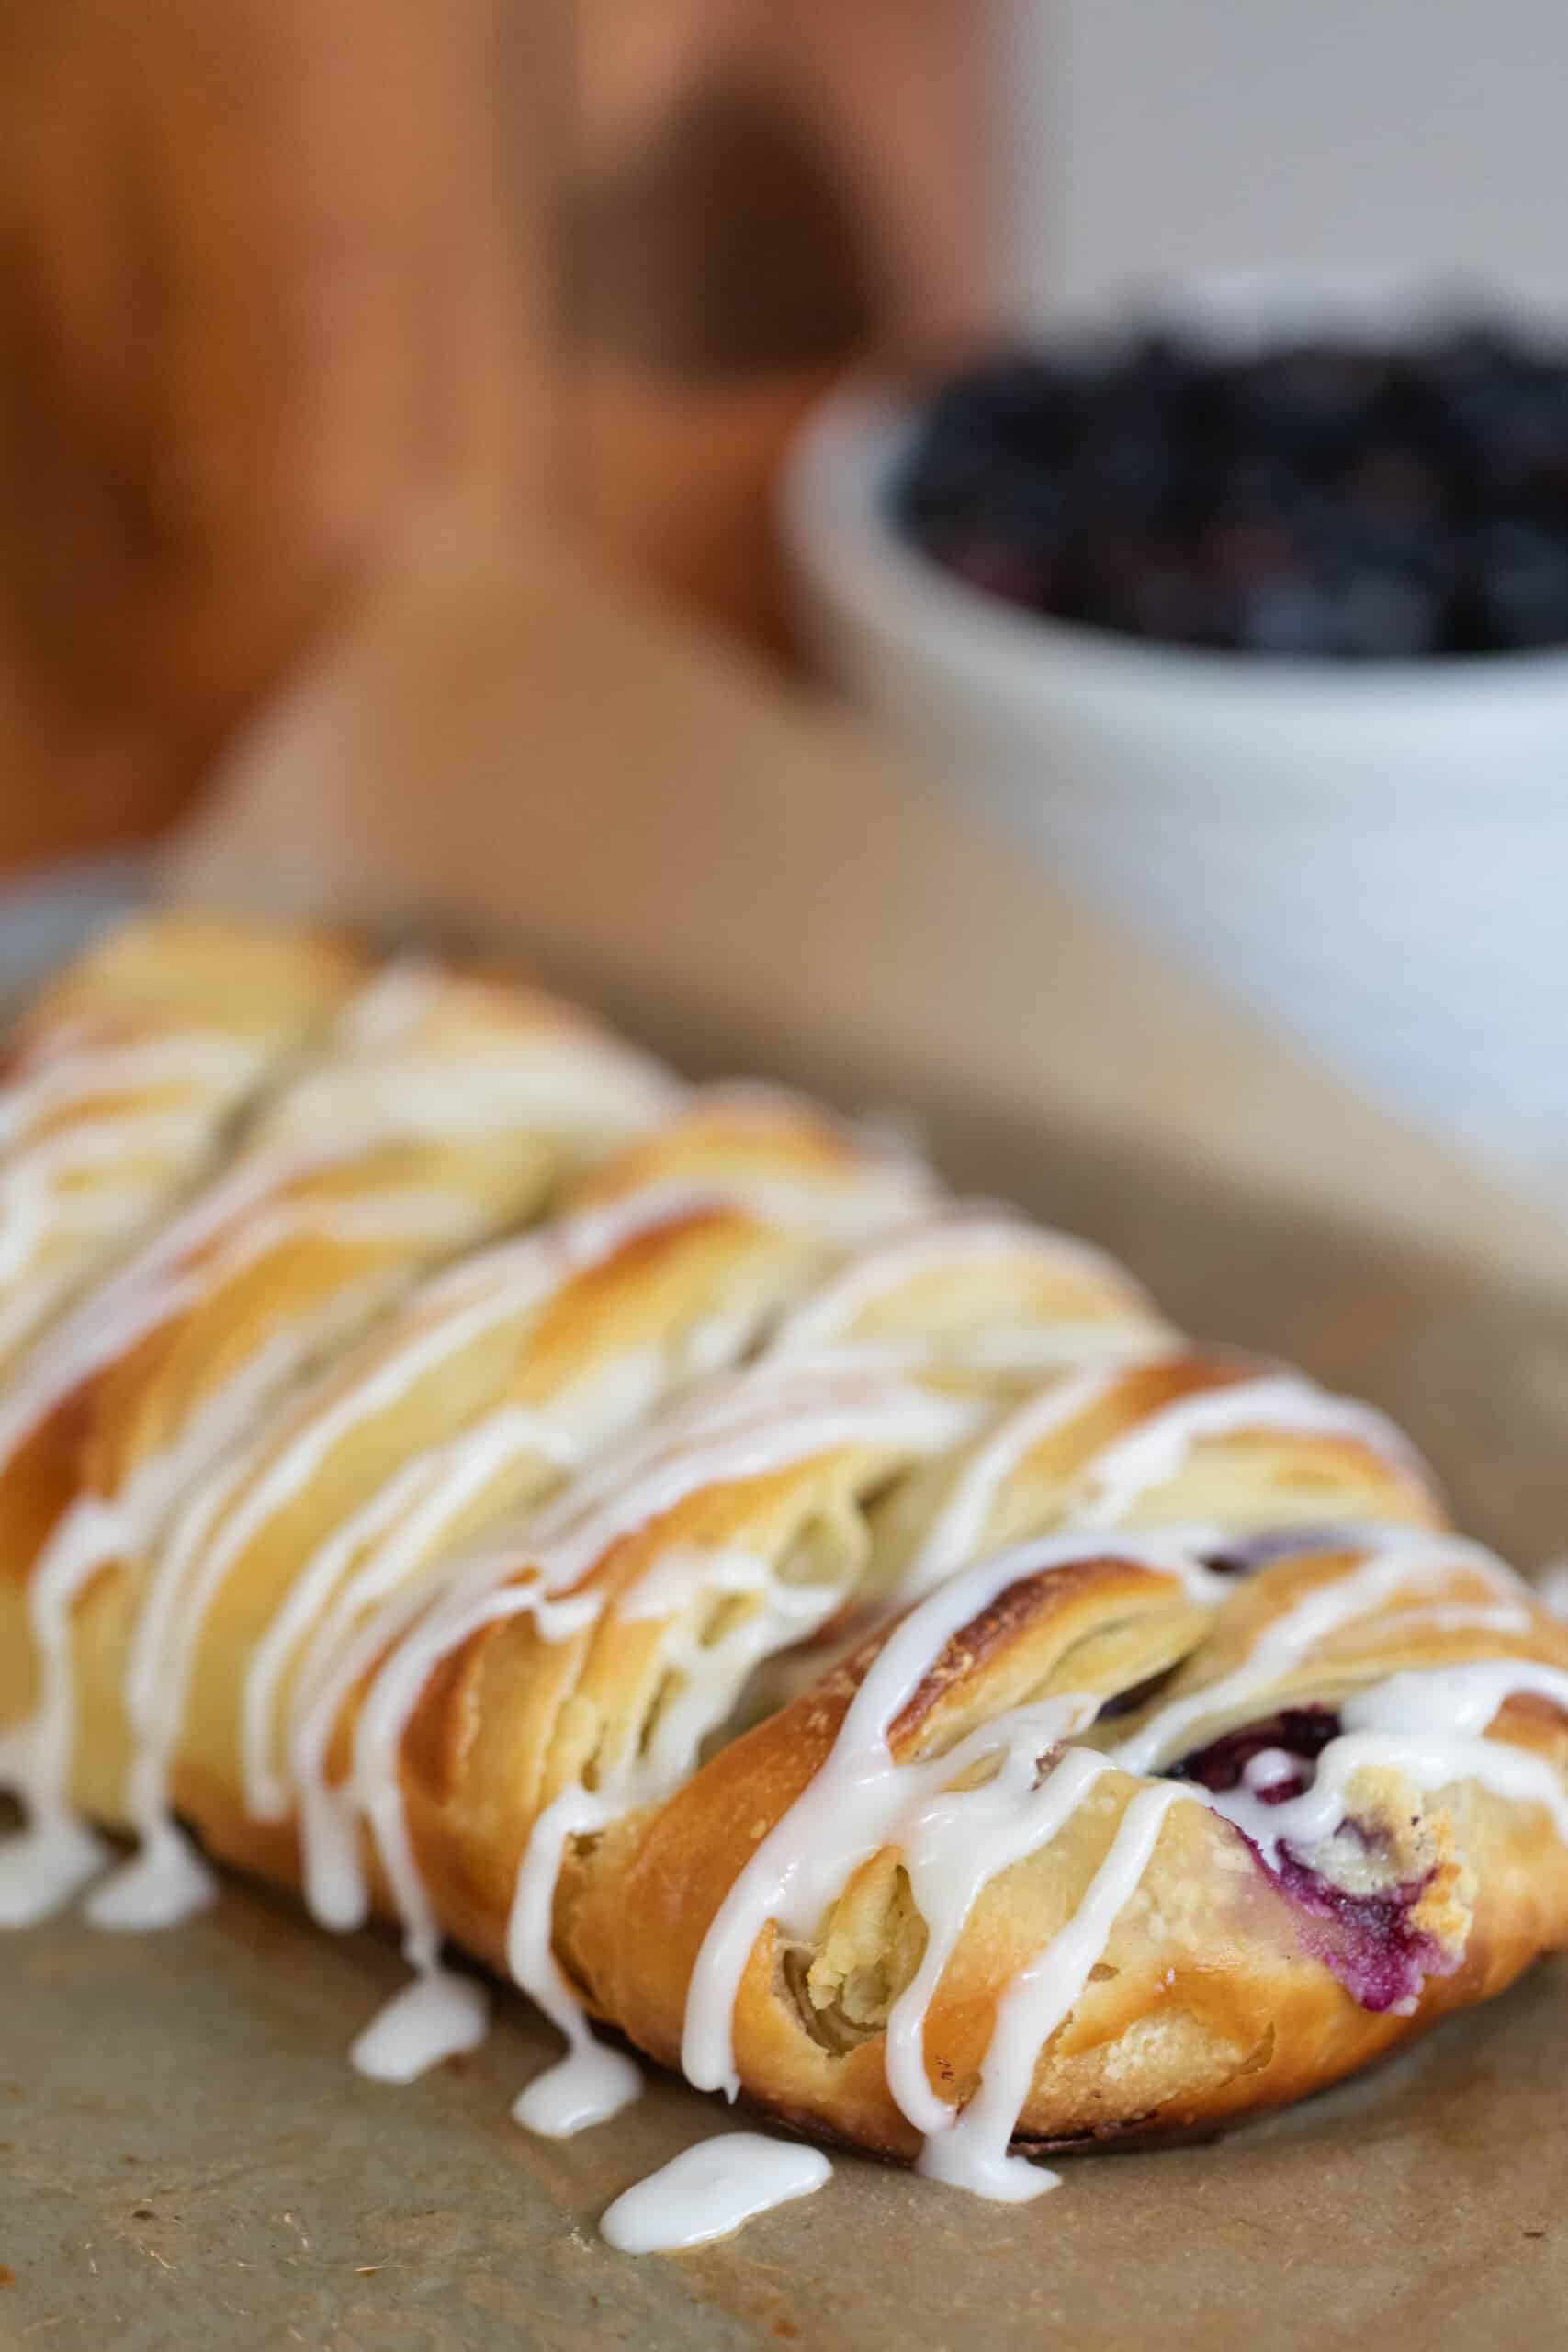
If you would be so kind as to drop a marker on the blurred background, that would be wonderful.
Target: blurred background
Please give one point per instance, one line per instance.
(276, 275)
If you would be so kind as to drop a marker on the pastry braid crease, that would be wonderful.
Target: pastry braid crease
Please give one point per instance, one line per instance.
(652, 1541)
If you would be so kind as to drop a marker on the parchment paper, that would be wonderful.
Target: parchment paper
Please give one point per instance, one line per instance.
(187, 2159)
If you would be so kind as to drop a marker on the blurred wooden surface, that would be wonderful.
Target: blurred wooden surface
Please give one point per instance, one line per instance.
(275, 274)
(265, 280)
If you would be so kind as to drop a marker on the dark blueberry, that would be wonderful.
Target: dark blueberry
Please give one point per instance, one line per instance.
(1498, 412)
(1303, 1732)
(1324, 500)
(1031, 406)
(1314, 403)
(1518, 589)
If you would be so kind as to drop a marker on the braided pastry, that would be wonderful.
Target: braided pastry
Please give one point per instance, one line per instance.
(842, 1639)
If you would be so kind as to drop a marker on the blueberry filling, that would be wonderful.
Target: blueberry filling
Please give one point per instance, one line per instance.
(1300, 1732)
(1251, 1553)
(1366, 1941)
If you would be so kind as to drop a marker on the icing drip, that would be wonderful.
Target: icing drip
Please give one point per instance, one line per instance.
(708, 2190)
(593, 2081)
(388, 1006)
(438, 2015)
(952, 1848)
(973, 2154)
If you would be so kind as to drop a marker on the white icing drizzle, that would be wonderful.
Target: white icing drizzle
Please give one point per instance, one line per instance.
(1401, 1559)
(957, 1533)
(376, 1604)
(1280, 1404)
(544, 1067)
(405, 1518)
(743, 1427)
(403, 1522)
(325, 1122)
(747, 1427)
(961, 1238)
(1019, 1350)
(439, 2014)
(75, 1114)
(1123, 1471)
(237, 1223)
(45, 1864)
(857, 1801)
(593, 2081)
(952, 1845)
(1427, 1727)
(158, 1282)
(32, 1210)
(972, 2153)
(1551, 1588)
(954, 1840)
(388, 1006)
(383, 1544)
(1457, 1617)
(58, 1084)
(892, 1180)
(708, 2190)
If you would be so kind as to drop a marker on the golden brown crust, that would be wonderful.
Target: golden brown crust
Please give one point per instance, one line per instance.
(1211, 2003)
(734, 1549)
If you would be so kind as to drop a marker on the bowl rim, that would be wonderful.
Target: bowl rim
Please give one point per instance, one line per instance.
(834, 519)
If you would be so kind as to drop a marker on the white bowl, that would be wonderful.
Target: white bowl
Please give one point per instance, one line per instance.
(1376, 857)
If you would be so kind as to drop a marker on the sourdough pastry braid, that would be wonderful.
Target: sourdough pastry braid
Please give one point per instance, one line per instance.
(844, 1639)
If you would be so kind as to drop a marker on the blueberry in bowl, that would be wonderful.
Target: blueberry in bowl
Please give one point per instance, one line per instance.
(1323, 497)
(1254, 629)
